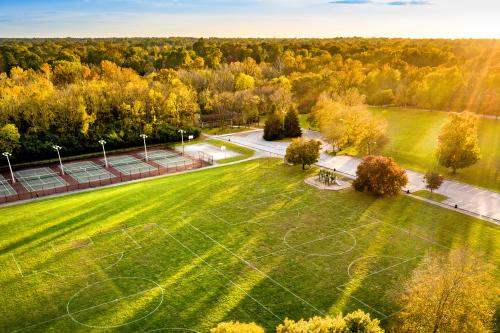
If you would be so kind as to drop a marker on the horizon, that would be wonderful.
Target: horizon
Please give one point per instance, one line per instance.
(322, 19)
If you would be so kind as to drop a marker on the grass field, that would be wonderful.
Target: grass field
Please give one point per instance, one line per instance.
(413, 134)
(245, 152)
(431, 196)
(246, 242)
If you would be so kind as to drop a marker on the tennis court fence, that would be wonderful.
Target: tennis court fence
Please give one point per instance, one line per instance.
(77, 179)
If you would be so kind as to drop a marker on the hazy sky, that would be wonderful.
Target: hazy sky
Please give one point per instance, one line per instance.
(250, 18)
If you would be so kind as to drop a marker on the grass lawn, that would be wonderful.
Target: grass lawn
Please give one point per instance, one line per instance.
(245, 152)
(430, 195)
(413, 135)
(242, 242)
(225, 130)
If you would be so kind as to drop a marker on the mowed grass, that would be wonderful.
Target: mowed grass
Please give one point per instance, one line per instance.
(247, 242)
(413, 135)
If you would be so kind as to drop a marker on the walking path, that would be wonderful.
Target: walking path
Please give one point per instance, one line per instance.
(468, 198)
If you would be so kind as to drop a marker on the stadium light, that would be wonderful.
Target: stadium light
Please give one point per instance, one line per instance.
(144, 136)
(182, 138)
(102, 142)
(57, 148)
(7, 155)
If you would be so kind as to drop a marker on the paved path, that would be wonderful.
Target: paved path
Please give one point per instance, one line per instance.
(478, 201)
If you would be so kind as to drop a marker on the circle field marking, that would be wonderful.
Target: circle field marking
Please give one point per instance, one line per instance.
(70, 314)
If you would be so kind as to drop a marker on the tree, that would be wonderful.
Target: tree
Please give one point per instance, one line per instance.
(244, 82)
(355, 322)
(273, 128)
(380, 175)
(458, 145)
(433, 180)
(292, 126)
(303, 151)
(237, 327)
(9, 138)
(450, 293)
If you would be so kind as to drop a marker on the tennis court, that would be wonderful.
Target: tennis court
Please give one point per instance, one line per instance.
(129, 165)
(165, 158)
(5, 188)
(39, 179)
(87, 171)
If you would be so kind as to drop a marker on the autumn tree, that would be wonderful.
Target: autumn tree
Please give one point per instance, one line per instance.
(273, 128)
(9, 138)
(458, 144)
(345, 122)
(380, 175)
(433, 180)
(291, 125)
(303, 151)
(244, 82)
(450, 293)
(237, 327)
(355, 322)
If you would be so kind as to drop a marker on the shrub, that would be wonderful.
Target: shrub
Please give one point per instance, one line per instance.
(380, 175)
(356, 322)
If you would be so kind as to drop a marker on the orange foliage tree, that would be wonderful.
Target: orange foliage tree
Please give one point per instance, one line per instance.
(380, 175)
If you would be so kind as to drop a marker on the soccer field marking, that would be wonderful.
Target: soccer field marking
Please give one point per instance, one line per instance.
(17, 265)
(326, 237)
(52, 272)
(132, 239)
(366, 257)
(70, 313)
(308, 242)
(219, 272)
(361, 302)
(249, 264)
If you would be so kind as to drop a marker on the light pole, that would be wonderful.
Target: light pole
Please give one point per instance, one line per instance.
(369, 147)
(7, 155)
(57, 148)
(102, 142)
(182, 139)
(144, 136)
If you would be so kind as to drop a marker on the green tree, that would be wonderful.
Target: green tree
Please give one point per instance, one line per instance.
(237, 327)
(458, 144)
(433, 180)
(380, 175)
(9, 138)
(273, 128)
(355, 322)
(303, 151)
(292, 126)
(451, 293)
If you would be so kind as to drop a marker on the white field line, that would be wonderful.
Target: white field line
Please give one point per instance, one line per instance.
(249, 264)
(115, 300)
(17, 265)
(86, 309)
(219, 272)
(381, 270)
(131, 238)
(312, 241)
(368, 306)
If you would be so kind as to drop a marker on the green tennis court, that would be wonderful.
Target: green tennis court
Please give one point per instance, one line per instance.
(165, 158)
(5, 188)
(129, 165)
(87, 171)
(39, 179)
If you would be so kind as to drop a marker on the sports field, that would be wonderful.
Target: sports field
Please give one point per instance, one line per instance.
(248, 242)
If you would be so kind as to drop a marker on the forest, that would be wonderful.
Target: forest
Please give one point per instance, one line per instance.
(73, 92)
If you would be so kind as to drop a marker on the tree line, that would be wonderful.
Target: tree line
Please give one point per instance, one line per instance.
(75, 91)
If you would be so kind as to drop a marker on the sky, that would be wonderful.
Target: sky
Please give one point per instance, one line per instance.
(251, 18)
